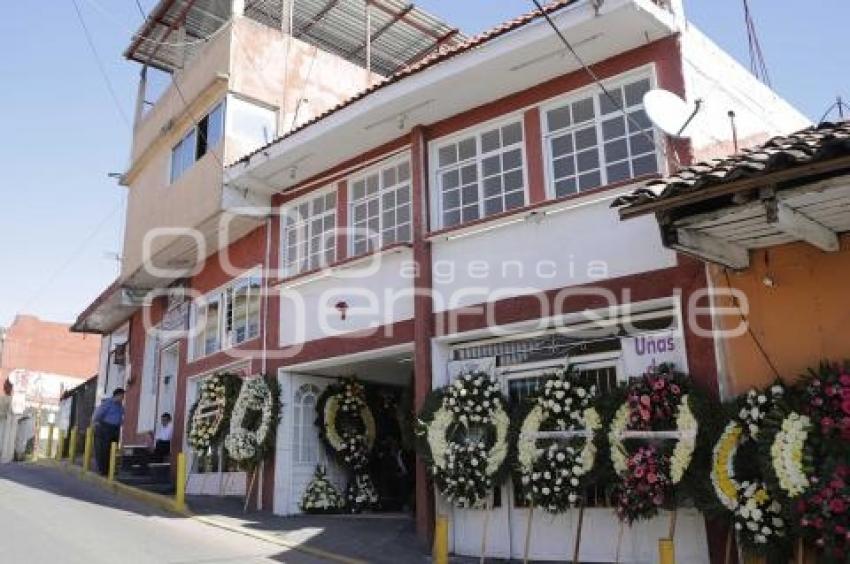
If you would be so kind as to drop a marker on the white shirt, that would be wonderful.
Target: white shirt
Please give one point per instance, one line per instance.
(164, 433)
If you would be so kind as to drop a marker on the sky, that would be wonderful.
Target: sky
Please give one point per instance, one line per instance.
(61, 215)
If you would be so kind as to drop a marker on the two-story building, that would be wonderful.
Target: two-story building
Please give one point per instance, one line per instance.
(450, 208)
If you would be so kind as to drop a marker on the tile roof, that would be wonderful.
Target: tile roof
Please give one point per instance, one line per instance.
(442, 54)
(813, 144)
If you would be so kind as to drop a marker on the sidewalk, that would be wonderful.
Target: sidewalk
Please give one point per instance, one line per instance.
(378, 538)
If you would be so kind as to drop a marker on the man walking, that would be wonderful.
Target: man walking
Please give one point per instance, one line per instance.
(107, 421)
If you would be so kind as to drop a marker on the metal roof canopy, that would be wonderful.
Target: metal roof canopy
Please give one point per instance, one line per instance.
(399, 33)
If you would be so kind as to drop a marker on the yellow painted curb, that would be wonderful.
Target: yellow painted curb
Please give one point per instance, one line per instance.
(168, 504)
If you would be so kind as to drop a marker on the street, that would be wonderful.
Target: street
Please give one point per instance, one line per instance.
(49, 516)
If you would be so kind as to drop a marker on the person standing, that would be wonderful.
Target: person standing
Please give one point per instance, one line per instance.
(162, 439)
(107, 421)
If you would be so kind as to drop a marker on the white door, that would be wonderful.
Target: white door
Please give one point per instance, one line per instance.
(149, 384)
(299, 446)
(169, 362)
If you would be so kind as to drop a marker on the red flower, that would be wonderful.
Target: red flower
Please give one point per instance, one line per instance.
(845, 406)
(844, 379)
(837, 506)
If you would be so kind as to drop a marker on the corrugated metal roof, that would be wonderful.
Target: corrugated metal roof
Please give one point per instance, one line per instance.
(443, 53)
(813, 144)
(401, 33)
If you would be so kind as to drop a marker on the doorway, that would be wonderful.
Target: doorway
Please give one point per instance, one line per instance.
(169, 363)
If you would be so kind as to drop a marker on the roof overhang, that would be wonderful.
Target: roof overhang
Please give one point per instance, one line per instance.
(108, 311)
(496, 67)
(814, 213)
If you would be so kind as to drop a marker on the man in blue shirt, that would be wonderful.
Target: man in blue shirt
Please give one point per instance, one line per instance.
(107, 421)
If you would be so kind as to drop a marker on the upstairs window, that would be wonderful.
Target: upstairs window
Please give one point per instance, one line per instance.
(309, 234)
(481, 174)
(590, 143)
(206, 327)
(380, 208)
(197, 142)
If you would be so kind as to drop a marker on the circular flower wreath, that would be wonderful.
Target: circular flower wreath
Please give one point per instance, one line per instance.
(464, 429)
(347, 427)
(824, 514)
(650, 475)
(253, 422)
(758, 517)
(554, 472)
(209, 416)
(787, 449)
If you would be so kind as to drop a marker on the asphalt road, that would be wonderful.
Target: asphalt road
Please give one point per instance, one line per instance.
(48, 516)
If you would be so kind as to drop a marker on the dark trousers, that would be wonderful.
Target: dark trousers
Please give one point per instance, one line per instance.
(161, 451)
(104, 435)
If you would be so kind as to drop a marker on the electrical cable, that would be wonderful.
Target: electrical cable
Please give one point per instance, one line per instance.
(100, 64)
(746, 321)
(595, 78)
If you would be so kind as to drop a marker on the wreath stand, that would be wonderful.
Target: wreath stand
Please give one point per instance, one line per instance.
(588, 435)
(666, 546)
(488, 509)
(250, 489)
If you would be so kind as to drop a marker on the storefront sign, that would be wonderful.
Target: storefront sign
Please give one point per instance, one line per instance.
(644, 353)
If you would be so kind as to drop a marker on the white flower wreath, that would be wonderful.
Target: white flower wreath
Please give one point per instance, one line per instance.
(553, 476)
(787, 454)
(243, 444)
(464, 469)
(210, 413)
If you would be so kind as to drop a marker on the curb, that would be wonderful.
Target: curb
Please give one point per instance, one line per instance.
(169, 505)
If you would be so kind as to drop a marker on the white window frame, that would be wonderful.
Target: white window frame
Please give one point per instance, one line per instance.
(228, 336)
(476, 131)
(647, 71)
(379, 168)
(220, 295)
(170, 179)
(290, 271)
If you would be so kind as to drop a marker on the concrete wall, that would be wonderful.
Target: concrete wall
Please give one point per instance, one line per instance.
(801, 320)
(724, 84)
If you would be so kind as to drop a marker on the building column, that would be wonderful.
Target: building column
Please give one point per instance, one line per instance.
(422, 317)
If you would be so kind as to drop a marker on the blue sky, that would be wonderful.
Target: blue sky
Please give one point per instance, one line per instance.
(60, 215)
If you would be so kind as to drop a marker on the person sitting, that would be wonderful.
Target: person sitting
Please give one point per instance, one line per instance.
(162, 439)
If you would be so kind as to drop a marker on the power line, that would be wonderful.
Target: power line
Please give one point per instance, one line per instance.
(758, 66)
(141, 10)
(839, 105)
(100, 64)
(752, 333)
(595, 78)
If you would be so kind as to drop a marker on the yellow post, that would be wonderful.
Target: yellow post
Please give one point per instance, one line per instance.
(87, 449)
(180, 488)
(72, 449)
(440, 553)
(113, 461)
(61, 445)
(49, 452)
(666, 551)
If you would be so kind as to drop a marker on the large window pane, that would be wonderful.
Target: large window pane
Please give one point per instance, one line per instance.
(310, 234)
(381, 212)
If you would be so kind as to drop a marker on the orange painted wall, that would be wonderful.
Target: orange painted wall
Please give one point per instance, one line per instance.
(803, 319)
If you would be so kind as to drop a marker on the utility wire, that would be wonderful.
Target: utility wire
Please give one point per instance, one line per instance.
(100, 64)
(752, 333)
(758, 66)
(141, 10)
(595, 78)
(839, 105)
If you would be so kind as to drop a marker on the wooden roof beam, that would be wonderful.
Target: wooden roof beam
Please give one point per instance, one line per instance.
(380, 31)
(322, 13)
(431, 48)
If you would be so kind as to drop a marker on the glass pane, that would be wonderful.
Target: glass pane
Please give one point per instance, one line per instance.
(404, 171)
(470, 213)
(403, 195)
(645, 165)
(215, 126)
(359, 189)
(467, 149)
(512, 159)
(562, 145)
(588, 181)
(587, 160)
(606, 106)
(389, 177)
(372, 184)
(513, 180)
(451, 218)
(565, 187)
(451, 199)
(583, 110)
(618, 172)
(492, 186)
(492, 166)
(469, 194)
(402, 214)
(558, 118)
(613, 128)
(388, 200)
(493, 205)
(490, 141)
(564, 167)
(616, 151)
(640, 143)
(451, 179)
(469, 174)
(638, 120)
(403, 233)
(635, 92)
(585, 138)
(511, 134)
(515, 200)
(448, 155)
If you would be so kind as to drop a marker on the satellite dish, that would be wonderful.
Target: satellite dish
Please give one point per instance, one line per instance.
(668, 112)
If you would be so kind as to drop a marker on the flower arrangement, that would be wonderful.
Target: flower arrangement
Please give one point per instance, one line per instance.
(645, 486)
(554, 472)
(659, 412)
(823, 514)
(321, 496)
(209, 416)
(463, 430)
(758, 518)
(254, 421)
(347, 427)
(787, 454)
(826, 400)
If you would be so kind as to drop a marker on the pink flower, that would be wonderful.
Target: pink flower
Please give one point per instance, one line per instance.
(845, 406)
(658, 384)
(675, 389)
(645, 400)
(652, 477)
(837, 506)
(844, 379)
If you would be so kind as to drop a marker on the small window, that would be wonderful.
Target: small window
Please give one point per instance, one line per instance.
(380, 208)
(309, 234)
(591, 143)
(197, 142)
(227, 317)
(243, 310)
(481, 175)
